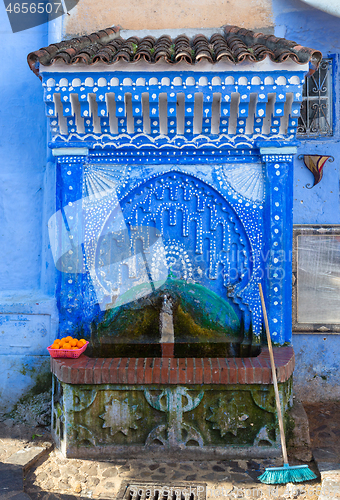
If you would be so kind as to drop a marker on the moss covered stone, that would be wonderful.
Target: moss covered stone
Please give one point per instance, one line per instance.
(119, 420)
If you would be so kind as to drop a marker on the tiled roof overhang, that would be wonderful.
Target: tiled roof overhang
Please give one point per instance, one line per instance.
(234, 45)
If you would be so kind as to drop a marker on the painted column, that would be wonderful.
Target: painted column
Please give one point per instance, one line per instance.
(67, 234)
(277, 257)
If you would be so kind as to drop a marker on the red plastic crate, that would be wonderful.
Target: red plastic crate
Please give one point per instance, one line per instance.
(66, 353)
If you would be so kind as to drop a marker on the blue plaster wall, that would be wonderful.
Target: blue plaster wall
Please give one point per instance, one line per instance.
(316, 375)
(311, 27)
(23, 159)
(25, 190)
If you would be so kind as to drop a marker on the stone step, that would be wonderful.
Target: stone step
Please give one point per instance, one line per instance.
(26, 457)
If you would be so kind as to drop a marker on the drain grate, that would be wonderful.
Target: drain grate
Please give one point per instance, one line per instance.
(139, 490)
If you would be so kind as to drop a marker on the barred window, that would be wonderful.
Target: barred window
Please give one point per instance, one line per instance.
(316, 107)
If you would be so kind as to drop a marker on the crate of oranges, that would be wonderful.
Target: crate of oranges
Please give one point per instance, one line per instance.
(67, 347)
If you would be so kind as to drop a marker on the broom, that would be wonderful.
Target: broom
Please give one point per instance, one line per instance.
(287, 473)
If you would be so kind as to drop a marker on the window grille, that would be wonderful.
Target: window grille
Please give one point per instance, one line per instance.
(316, 107)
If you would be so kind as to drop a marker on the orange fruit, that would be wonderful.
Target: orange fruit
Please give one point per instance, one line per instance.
(54, 346)
(79, 344)
(73, 342)
(83, 341)
(66, 346)
(68, 337)
(57, 341)
(74, 347)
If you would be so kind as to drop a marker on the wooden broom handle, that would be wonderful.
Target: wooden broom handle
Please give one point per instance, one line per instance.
(276, 389)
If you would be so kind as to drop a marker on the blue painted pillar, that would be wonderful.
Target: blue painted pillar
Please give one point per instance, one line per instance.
(70, 281)
(277, 257)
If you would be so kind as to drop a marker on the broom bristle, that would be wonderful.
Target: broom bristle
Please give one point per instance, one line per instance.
(287, 474)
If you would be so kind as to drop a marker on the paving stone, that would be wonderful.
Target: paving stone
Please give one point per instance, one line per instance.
(232, 463)
(93, 481)
(63, 484)
(210, 476)
(254, 474)
(217, 468)
(239, 478)
(125, 466)
(147, 472)
(110, 485)
(238, 469)
(79, 477)
(329, 467)
(15, 495)
(112, 472)
(103, 465)
(325, 455)
(253, 465)
(11, 478)
(177, 475)
(90, 469)
(58, 460)
(68, 470)
(191, 477)
(26, 457)
(168, 470)
(185, 467)
(42, 476)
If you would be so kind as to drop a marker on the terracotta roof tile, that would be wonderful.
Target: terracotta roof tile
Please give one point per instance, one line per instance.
(107, 52)
(164, 49)
(144, 49)
(235, 45)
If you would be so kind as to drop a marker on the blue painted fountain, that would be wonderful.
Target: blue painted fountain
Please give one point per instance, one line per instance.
(174, 200)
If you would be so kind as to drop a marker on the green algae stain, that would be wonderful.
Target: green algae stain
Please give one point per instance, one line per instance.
(200, 316)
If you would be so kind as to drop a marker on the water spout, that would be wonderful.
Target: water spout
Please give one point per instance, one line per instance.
(166, 328)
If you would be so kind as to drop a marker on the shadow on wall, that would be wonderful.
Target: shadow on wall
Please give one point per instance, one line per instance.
(307, 25)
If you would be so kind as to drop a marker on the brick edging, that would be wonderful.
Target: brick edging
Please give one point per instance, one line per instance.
(134, 371)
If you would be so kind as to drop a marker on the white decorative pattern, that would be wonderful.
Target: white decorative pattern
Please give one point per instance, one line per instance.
(98, 180)
(172, 256)
(245, 179)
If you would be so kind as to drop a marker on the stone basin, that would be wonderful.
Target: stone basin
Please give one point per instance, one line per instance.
(105, 407)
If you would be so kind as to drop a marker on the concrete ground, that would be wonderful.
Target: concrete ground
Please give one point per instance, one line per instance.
(30, 468)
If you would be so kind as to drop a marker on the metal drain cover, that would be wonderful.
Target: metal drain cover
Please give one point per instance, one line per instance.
(139, 490)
